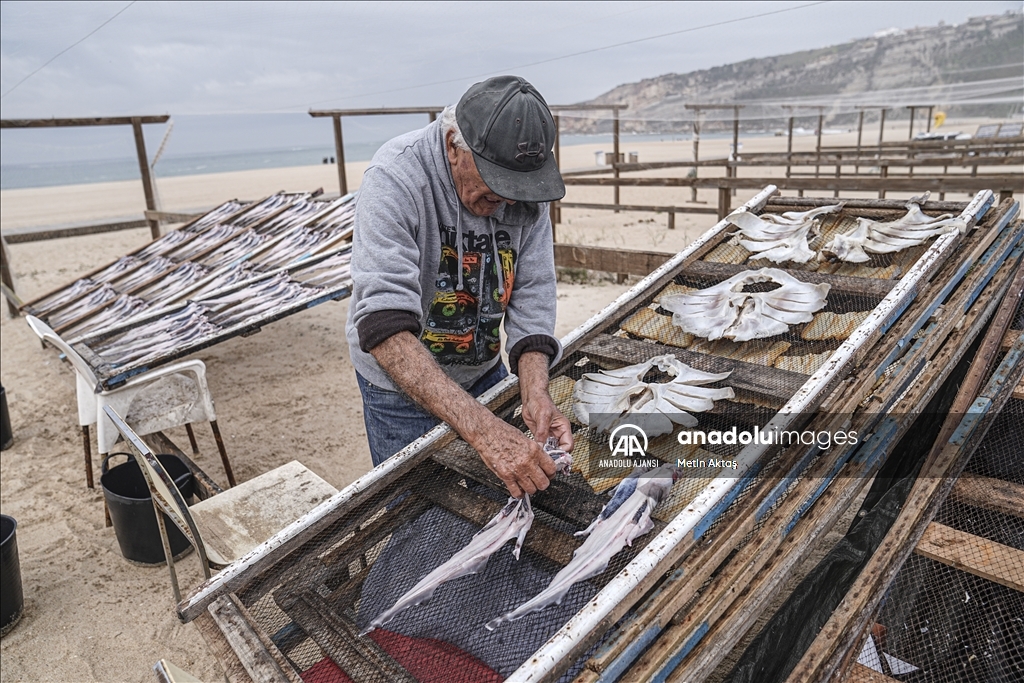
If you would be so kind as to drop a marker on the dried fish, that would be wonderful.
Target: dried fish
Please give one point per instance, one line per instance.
(512, 521)
(125, 306)
(65, 296)
(605, 399)
(142, 275)
(83, 305)
(725, 310)
(241, 245)
(873, 237)
(627, 516)
(779, 237)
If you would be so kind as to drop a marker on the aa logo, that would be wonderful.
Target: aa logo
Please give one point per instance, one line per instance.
(628, 441)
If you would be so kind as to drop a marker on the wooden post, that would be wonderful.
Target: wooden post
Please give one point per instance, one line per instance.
(884, 173)
(671, 220)
(696, 152)
(724, 199)
(735, 143)
(910, 132)
(860, 135)
(615, 150)
(789, 148)
(817, 148)
(7, 276)
(147, 178)
(881, 131)
(432, 115)
(339, 151)
(930, 110)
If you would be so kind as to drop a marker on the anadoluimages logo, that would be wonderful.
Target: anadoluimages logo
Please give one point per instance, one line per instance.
(627, 444)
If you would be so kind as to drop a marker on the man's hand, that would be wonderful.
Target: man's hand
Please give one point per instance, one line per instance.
(539, 411)
(520, 463)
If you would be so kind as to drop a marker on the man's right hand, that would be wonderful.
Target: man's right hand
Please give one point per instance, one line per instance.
(520, 462)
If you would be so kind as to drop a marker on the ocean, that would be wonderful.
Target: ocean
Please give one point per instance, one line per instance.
(50, 174)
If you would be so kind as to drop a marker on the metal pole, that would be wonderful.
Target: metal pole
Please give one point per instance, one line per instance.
(615, 151)
(339, 151)
(147, 179)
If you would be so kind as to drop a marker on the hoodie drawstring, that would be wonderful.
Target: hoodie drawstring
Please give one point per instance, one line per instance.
(497, 259)
(458, 239)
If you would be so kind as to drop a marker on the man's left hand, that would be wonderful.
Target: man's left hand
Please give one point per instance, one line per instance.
(539, 411)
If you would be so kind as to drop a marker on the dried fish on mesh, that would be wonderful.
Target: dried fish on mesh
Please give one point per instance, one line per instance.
(626, 517)
(512, 521)
(162, 244)
(142, 275)
(237, 248)
(220, 279)
(874, 237)
(237, 307)
(65, 296)
(115, 269)
(332, 271)
(123, 307)
(83, 305)
(779, 237)
(298, 244)
(203, 242)
(173, 283)
(604, 400)
(263, 209)
(156, 337)
(725, 310)
(214, 216)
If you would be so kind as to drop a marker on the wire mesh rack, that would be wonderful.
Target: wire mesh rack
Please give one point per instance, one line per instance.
(315, 589)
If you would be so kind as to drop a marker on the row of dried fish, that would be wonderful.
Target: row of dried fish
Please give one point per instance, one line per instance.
(787, 237)
(125, 306)
(158, 337)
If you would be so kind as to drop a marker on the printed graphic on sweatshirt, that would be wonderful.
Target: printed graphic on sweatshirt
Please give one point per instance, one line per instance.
(462, 324)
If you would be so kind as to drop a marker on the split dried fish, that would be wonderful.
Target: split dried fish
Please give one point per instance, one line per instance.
(626, 517)
(873, 237)
(779, 237)
(142, 275)
(162, 244)
(512, 521)
(604, 400)
(236, 249)
(725, 310)
(65, 296)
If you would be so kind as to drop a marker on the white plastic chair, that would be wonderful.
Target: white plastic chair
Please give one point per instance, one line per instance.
(153, 401)
(224, 527)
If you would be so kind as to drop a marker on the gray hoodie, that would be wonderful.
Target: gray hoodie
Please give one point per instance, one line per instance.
(411, 232)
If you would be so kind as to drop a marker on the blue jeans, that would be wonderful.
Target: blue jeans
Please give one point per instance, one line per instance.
(393, 420)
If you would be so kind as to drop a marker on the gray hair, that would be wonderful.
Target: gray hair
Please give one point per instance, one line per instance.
(450, 123)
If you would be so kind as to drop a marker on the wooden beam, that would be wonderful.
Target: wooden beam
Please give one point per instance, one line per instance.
(862, 286)
(171, 216)
(76, 231)
(96, 121)
(339, 150)
(260, 661)
(770, 383)
(637, 207)
(608, 260)
(863, 674)
(378, 111)
(979, 556)
(944, 183)
(147, 178)
(7, 277)
(997, 495)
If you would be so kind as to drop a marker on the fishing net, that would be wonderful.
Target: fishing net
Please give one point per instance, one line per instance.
(317, 603)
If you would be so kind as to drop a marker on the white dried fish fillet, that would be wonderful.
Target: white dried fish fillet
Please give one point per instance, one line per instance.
(779, 238)
(874, 237)
(726, 311)
(616, 394)
(627, 516)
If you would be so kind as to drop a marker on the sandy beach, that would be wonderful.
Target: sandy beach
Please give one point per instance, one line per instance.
(286, 393)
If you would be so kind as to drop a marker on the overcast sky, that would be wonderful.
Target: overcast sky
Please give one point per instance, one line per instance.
(212, 58)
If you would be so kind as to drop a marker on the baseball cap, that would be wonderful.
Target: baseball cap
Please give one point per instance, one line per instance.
(509, 129)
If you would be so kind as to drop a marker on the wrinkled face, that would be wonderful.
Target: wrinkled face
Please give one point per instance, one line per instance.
(472, 190)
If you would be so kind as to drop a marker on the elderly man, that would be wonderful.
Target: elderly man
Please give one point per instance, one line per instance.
(452, 240)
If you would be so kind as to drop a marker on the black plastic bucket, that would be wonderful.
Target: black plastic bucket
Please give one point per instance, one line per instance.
(6, 435)
(12, 600)
(131, 508)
